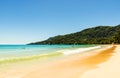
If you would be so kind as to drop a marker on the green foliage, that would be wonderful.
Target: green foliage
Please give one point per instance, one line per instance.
(116, 37)
(95, 35)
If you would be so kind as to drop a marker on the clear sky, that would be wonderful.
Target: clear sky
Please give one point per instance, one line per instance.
(24, 21)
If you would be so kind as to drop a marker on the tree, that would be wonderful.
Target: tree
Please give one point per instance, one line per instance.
(116, 37)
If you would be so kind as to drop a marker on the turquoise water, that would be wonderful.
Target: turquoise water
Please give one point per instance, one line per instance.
(10, 53)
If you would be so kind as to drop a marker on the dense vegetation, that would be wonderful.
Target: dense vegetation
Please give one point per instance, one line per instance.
(116, 37)
(95, 35)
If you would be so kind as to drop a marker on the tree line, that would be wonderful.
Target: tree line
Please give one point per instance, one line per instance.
(95, 35)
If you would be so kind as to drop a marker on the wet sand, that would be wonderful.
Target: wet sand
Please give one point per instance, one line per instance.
(97, 64)
(108, 69)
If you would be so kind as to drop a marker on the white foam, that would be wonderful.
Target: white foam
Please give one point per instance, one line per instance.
(68, 52)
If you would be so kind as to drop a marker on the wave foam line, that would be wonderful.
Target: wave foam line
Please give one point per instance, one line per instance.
(68, 52)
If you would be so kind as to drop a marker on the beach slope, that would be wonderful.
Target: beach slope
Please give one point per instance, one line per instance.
(102, 63)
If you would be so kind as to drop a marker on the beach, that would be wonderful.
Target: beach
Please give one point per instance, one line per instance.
(98, 63)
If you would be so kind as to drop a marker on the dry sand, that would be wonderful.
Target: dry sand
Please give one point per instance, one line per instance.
(97, 64)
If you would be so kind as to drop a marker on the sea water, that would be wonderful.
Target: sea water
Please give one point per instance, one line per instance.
(12, 53)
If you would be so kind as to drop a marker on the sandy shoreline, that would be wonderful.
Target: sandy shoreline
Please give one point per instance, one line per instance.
(98, 64)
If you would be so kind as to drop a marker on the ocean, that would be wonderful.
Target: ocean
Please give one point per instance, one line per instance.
(13, 53)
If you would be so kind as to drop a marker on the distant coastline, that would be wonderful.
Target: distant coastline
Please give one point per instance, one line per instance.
(95, 35)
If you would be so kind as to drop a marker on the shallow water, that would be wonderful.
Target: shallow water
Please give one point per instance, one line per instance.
(13, 53)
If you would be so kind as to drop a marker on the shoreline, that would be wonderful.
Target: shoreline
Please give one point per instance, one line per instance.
(70, 67)
(58, 53)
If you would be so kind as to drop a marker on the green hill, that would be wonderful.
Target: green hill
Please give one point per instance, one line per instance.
(95, 35)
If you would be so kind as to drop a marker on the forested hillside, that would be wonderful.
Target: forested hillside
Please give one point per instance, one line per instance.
(95, 35)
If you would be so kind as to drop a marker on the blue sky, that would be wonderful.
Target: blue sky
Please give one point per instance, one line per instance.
(24, 21)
